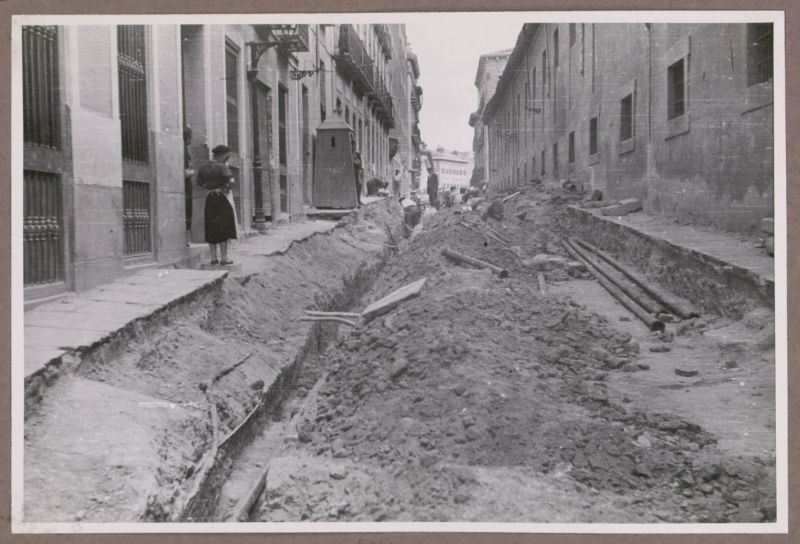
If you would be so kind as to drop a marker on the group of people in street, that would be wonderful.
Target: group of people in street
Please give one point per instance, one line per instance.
(220, 222)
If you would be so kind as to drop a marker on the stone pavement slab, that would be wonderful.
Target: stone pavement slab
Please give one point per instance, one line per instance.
(86, 319)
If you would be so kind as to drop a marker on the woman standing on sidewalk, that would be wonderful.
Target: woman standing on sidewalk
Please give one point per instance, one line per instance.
(220, 211)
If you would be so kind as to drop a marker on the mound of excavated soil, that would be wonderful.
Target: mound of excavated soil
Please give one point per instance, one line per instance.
(480, 382)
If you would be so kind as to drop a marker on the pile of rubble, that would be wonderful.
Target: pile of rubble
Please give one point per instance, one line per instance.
(485, 377)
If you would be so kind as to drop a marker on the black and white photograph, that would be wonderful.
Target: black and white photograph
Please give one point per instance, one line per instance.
(399, 272)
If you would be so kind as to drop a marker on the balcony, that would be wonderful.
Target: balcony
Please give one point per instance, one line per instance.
(382, 102)
(416, 98)
(416, 138)
(385, 41)
(290, 38)
(354, 61)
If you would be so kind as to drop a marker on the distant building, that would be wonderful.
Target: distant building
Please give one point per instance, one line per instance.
(490, 66)
(678, 115)
(453, 168)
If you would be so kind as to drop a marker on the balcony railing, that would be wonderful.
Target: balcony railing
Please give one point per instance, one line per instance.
(385, 41)
(356, 64)
(383, 103)
(354, 60)
(290, 38)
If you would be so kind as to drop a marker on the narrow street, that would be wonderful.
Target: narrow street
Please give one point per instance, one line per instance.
(481, 399)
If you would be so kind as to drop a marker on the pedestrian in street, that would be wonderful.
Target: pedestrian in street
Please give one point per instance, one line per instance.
(357, 166)
(397, 174)
(188, 173)
(433, 188)
(220, 211)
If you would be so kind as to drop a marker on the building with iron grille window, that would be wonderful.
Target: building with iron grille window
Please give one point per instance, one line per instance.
(678, 115)
(104, 114)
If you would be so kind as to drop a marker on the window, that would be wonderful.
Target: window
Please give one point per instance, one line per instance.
(593, 136)
(572, 34)
(555, 49)
(572, 147)
(543, 164)
(339, 107)
(676, 103)
(626, 118)
(555, 159)
(759, 53)
(132, 92)
(232, 95)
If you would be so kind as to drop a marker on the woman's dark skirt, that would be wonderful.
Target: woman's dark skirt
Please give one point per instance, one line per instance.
(220, 221)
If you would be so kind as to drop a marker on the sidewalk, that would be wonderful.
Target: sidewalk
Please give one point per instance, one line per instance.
(78, 322)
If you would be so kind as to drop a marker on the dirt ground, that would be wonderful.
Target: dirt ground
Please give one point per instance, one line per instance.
(485, 400)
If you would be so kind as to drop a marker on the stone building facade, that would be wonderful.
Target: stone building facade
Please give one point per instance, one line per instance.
(490, 67)
(678, 115)
(104, 112)
(453, 168)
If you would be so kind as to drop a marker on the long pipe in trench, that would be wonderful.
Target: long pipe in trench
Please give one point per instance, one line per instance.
(680, 307)
(628, 287)
(651, 321)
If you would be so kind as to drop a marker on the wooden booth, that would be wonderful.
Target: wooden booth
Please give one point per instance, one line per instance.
(334, 171)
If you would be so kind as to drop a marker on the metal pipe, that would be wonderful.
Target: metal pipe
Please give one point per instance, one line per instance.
(628, 287)
(465, 259)
(675, 304)
(651, 321)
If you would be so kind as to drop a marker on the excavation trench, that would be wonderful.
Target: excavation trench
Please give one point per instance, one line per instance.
(219, 462)
(202, 502)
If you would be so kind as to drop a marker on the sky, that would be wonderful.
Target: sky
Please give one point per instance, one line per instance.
(448, 59)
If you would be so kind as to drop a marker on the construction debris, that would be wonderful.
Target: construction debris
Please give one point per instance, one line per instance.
(472, 261)
(624, 207)
(393, 299)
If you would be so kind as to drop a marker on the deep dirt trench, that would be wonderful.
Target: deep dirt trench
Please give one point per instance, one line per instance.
(485, 400)
(143, 424)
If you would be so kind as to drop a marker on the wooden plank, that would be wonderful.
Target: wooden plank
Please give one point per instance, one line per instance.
(329, 318)
(393, 299)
